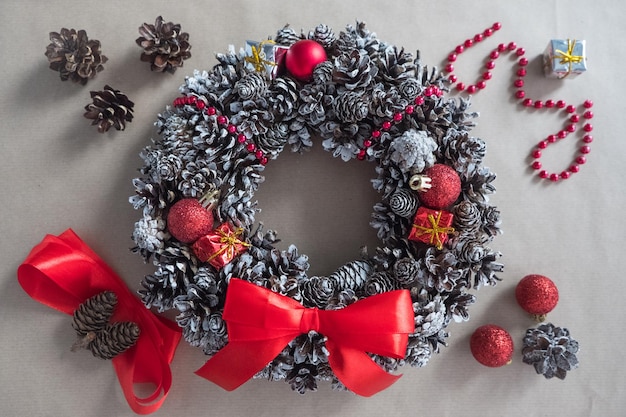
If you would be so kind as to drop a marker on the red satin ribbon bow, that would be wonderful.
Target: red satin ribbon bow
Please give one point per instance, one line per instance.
(261, 323)
(62, 272)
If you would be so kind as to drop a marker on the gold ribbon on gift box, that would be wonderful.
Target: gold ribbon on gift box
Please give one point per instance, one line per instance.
(258, 58)
(435, 230)
(568, 56)
(229, 239)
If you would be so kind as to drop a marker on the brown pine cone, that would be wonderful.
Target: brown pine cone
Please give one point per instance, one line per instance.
(109, 108)
(94, 313)
(165, 46)
(114, 339)
(75, 56)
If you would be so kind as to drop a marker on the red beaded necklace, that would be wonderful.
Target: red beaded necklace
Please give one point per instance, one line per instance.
(570, 111)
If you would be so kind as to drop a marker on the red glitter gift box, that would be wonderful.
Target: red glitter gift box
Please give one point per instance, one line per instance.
(220, 246)
(431, 226)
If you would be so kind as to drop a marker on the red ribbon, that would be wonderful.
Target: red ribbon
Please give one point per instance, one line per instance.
(261, 323)
(62, 272)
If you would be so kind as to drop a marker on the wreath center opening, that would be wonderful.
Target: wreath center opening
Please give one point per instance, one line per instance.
(321, 204)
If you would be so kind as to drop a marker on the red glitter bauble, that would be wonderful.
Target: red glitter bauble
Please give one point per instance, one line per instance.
(188, 220)
(537, 295)
(445, 187)
(492, 346)
(302, 58)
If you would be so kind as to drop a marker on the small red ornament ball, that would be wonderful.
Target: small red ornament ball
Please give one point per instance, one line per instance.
(302, 58)
(537, 295)
(492, 346)
(188, 220)
(445, 187)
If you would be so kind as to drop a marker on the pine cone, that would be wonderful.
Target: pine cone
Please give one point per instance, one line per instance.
(274, 140)
(110, 107)
(302, 378)
(284, 96)
(94, 313)
(286, 36)
(75, 56)
(317, 291)
(91, 322)
(380, 282)
(354, 70)
(550, 350)
(251, 86)
(114, 339)
(350, 107)
(323, 35)
(403, 203)
(351, 276)
(165, 46)
(406, 271)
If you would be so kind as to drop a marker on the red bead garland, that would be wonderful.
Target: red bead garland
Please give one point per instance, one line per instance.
(570, 111)
(429, 92)
(222, 121)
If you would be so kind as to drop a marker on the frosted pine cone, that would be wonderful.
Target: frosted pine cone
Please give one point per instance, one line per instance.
(352, 275)
(351, 107)
(324, 35)
(286, 36)
(110, 108)
(252, 86)
(380, 282)
(550, 350)
(75, 56)
(165, 46)
(284, 96)
(406, 271)
(413, 151)
(403, 203)
(317, 291)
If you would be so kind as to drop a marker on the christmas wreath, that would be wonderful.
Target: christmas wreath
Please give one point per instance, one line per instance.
(366, 100)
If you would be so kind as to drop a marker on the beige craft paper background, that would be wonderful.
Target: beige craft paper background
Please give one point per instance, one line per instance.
(58, 172)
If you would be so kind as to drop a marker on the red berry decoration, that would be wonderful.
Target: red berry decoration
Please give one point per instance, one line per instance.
(492, 346)
(445, 187)
(302, 58)
(537, 295)
(188, 220)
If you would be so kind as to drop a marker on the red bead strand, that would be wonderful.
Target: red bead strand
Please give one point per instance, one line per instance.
(222, 121)
(573, 118)
(428, 93)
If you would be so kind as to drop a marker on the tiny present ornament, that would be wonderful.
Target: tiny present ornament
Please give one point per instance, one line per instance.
(431, 226)
(220, 246)
(564, 57)
(265, 57)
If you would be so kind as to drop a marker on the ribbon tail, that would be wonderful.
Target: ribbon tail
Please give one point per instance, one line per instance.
(357, 371)
(237, 362)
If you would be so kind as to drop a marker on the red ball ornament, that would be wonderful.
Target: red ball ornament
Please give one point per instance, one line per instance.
(492, 346)
(188, 220)
(302, 58)
(537, 295)
(445, 187)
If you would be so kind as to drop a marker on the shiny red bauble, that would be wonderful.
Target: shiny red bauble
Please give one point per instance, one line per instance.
(492, 346)
(445, 187)
(537, 295)
(302, 58)
(188, 220)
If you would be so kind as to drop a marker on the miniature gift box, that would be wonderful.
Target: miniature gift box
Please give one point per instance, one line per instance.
(564, 57)
(265, 56)
(220, 246)
(431, 226)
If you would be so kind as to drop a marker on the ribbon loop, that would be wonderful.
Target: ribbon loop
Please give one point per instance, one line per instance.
(261, 323)
(62, 272)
